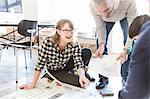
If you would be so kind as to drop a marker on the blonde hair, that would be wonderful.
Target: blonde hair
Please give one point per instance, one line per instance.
(56, 37)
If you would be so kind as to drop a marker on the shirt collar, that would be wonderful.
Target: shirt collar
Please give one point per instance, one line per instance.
(69, 45)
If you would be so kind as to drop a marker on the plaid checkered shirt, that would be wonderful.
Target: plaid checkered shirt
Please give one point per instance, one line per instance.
(55, 59)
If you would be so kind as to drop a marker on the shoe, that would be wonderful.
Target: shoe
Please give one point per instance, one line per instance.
(103, 81)
(89, 77)
(101, 76)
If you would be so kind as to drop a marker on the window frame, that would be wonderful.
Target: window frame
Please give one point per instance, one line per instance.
(6, 7)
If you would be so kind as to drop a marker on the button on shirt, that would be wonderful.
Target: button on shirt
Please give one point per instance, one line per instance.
(55, 59)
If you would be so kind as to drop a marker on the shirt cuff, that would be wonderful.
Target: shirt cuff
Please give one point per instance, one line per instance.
(38, 68)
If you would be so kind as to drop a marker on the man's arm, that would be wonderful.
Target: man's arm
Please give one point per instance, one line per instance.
(100, 31)
(132, 12)
(100, 25)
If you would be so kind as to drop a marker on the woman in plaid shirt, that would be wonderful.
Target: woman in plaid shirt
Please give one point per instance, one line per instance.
(61, 55)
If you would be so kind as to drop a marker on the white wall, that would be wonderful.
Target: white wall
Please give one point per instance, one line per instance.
(45, 10)
(78, 11)
(143, 6)
(30, 9)
(9, 17)
(75, 10)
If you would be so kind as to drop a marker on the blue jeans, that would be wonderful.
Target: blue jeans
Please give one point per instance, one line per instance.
(109, 26)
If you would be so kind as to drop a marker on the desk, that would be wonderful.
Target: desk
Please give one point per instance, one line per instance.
(16, 24)
(9, 25)
(40, 26)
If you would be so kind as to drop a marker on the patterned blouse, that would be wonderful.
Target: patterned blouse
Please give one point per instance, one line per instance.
(51, 56)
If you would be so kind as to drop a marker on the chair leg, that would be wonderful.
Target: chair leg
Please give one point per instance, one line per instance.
(31, 45)
(14, 51)
(17, 66)
(25, 58)
(31, 53)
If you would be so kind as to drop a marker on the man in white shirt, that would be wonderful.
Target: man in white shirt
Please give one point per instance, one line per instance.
(106, 13)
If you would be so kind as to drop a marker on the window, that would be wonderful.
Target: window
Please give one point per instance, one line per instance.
(11, 6)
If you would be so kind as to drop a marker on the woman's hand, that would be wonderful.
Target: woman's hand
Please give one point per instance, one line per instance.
(26, 87)
(84, 82)
(122, 57)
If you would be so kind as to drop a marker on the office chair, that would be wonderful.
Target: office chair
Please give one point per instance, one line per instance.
(26, 28)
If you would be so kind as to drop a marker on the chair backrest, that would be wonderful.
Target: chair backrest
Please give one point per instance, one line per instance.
(25, 25)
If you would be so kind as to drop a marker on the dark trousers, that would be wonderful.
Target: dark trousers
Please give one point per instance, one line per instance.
(70, 78)
(125, 69)
(109, 26)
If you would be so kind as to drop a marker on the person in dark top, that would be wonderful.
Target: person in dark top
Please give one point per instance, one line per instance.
(137, 85)
(134, 31)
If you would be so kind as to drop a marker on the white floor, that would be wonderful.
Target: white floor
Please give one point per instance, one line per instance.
(107, 66)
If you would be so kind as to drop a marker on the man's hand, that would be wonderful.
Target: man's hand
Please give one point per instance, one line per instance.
(100, 51)
(122, 57)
